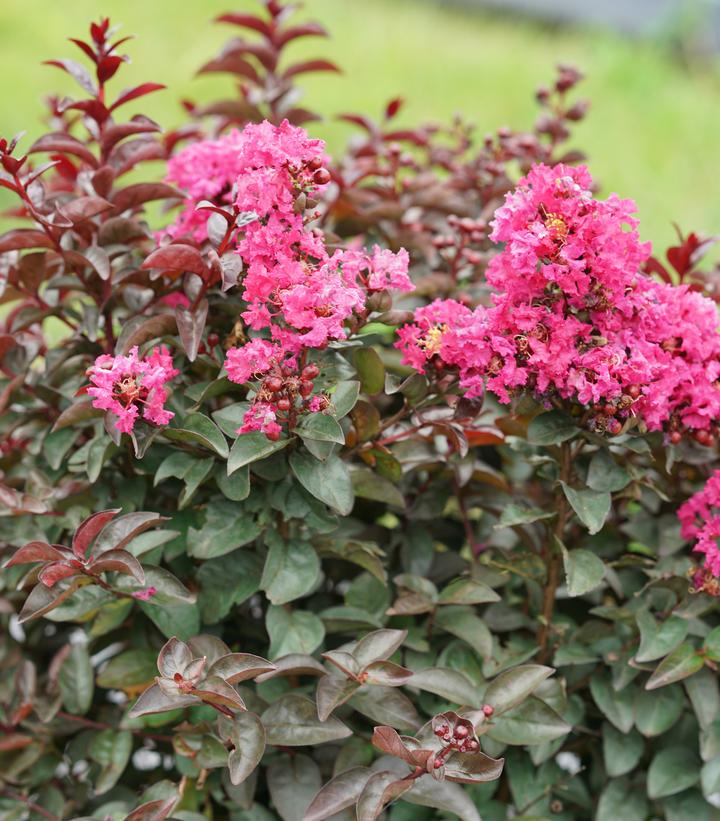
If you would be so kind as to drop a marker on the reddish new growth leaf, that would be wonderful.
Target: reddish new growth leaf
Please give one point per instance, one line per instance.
(97, 548)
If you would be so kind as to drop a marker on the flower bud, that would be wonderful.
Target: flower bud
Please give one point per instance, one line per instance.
(321, 176)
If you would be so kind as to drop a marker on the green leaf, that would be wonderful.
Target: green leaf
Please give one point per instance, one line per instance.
(367, 484)
(331, 692)
(621, 751)
(111, 749)
(655, 713)
(320, 427)
(446, 683)
(226, 528)
(591, 506)
(604, 473)
(711, 645)
(682, 663)
(386, 705)
(292, 721)
(198, 428)
(247, 735)
(514, 515)
(617, 707)
(57, 444)
(181, 619)
(656, 640)
(344, 397)
(229, 418)
(531, 722)
(710, 777)
(293, 631)
(327, 481)
(338, 794)
(704, 694)
(622, 800)
(584, 571)
(672, 771)
(463, 623)
(129, 669)
(189, 469)
(292, 570)
(370, 369)
(293, 781)
(467, 591)
(551, 428)
(235, 487)
(227, 581)
(250, 447)
(513, 686)
(76, 680)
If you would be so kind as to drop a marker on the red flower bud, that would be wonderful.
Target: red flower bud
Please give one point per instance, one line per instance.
(274, 384)
(321, 176)
(488, 710)
(310, 371)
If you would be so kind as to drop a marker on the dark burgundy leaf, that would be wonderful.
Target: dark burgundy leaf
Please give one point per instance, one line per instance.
(119, 561)
(304, 30)
(393, 107)
(142, 192)
(21, 238)
(307, 66)
(232, 64)
(78, 72)
(55, 572)
(116, 132)
(248, 21)
(89, 529)
(84, 208)
(66, 144)
(134, 93)
(37, 552)
(191, 325)
(177, 257)
(93, 108)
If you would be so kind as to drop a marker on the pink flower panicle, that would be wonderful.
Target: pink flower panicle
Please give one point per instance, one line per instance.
(700, 520)
(574, 319)
(125, 385)
(295, 289)
(284, 391)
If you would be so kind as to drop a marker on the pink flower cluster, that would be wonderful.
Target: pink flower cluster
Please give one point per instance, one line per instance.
(204, 170)
(700, 520)
(124, 385)
(574, 319)
(297, 291)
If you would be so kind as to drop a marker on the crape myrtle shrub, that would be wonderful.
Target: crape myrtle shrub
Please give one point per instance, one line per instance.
(375, 485)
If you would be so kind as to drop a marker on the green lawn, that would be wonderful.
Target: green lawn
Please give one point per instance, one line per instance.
(652, 133)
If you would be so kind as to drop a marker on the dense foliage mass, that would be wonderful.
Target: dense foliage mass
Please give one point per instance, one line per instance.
(379, 485)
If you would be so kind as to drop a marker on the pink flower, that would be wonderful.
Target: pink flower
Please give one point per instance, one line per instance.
(261, 417)
(145, 594)
(574, 318)
(291, 284)
(389, 270)
(125, 384)
(252, 359)
(700, 520)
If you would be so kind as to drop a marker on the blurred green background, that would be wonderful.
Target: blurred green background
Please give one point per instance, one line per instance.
(652, 133)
